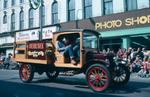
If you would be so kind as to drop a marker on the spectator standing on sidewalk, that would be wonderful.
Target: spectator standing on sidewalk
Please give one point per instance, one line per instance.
(132, 55)
(2, 57)
(7, 61)
(140, 54)
(120, 53)
(128, 54)
(145, 52)
(104, 52)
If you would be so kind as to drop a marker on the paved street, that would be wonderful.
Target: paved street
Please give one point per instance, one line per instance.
(70, 86)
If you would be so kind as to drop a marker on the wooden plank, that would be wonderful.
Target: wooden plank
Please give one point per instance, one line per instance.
(32, 61)
(20, 56)
(21, 42)
(21, 49)
(68, 65)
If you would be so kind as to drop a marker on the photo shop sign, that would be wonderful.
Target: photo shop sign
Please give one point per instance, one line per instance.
(31, 35)
(125, 20)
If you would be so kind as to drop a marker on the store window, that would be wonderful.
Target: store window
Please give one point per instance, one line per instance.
(140, 41)
(5, 4)
(87, 8)
(13, 2)
(130, 5)
(108, 7)
(54, 12)
(5, 19)
(13, 22)
(31, 18)
(21, 20)
(71, 10)
(43, 16)
(112, 44)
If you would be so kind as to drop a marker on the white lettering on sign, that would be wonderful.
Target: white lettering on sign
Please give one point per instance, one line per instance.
(34, 34)
(27, 35)
(48, 32)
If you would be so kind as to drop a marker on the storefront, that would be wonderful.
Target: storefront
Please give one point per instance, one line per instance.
(7, 42)
(135, 37)
(34, 34)
(122, 30)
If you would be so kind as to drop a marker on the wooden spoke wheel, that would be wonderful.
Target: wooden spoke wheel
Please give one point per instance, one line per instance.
(98, 77)
(121, 76)
(26, 73)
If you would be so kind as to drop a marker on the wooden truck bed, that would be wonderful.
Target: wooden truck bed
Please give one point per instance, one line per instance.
(25, 52)
(34, 61)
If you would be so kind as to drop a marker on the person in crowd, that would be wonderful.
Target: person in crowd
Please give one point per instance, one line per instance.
(132, 55)
(120, 53)
(108, 50)
(146, 64)
(110, 55)
(2, 57)
(145, 52)
(104, 52)
(128, 54)
(136, 65)
(145, 69)
(139, 53)
(7, 61)
(124, 54)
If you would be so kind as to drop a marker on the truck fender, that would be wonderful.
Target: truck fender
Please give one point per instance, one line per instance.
(93, 61)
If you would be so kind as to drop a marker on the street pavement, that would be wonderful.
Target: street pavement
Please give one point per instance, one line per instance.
(67, 86)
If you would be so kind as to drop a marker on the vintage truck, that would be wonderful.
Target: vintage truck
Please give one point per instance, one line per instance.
(43, 56)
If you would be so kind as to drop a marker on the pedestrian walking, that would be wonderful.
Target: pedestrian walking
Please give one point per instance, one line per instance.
(7, 61)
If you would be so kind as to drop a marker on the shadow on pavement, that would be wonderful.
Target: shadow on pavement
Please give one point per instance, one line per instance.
(69, 81)
(17, 89)
(131, 87)
(13, 89)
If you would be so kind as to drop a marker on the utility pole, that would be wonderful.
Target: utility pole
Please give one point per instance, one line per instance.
(35, 4)
(41, 22)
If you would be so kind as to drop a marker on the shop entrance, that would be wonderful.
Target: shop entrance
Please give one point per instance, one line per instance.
(2, 50)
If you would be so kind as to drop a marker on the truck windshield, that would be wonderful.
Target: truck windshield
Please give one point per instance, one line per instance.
(90, 40)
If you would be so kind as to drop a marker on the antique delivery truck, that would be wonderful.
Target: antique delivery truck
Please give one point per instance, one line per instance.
(43, 56)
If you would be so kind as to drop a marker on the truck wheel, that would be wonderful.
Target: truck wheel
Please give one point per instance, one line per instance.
(26, 73)
(98, 77)
(52, 74)
(121, 76)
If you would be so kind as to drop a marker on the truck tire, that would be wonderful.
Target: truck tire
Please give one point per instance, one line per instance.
(98, 77)
(52, 74)
(121, 77)
(26, 73)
